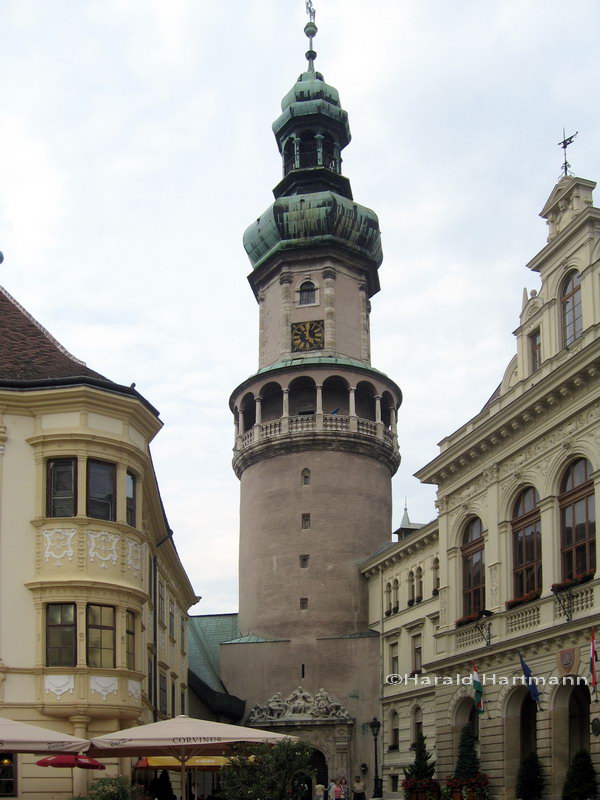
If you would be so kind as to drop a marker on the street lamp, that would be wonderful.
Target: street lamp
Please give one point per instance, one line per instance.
(375, 726)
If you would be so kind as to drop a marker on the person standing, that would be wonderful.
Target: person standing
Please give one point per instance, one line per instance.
(319, 791)
(358, 788)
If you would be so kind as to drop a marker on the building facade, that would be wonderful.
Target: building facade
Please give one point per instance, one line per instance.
(509, 567)
(315, 447)
(93, 596)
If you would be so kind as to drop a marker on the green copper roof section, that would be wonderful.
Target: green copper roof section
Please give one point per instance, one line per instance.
(316, 218)
(253, 639)
(206, 632)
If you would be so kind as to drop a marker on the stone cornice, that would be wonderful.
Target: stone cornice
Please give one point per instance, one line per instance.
(489, 436)
(402, 550)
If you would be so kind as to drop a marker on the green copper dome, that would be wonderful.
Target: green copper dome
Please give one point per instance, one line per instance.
(316, 218)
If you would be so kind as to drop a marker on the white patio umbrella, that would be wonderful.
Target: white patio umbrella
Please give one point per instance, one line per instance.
(181, 737)
(21, 737)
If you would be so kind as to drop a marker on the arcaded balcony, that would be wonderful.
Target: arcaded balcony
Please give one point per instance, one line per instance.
(305, 406)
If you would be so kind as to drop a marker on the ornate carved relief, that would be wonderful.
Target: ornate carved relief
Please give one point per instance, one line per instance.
(104, 686)
(134, 556)
(300, 704)
(59, 684)
(443, 596)
(494, 585)
(103, 546)
(134, 689)
(58, 545)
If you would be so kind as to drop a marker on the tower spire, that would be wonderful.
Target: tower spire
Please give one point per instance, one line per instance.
(310, 29)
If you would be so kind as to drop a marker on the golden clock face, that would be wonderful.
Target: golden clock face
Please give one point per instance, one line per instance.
(308, 335)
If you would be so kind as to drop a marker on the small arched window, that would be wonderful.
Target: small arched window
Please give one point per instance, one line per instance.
(570, 304)
(395, 600)
(388, 599)
(527, 543)
(411, 588)
(473, 563)
(395, 731)
(419, 585)
(308, 294)
(417, 723)
(305, 478)
(435, 570)
(577, 520)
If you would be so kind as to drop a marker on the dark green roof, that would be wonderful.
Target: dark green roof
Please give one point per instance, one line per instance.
(206, 632)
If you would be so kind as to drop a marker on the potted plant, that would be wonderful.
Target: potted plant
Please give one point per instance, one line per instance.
(530, 778)
(419, 783)
(528, 597)
(468, 782)
(576, 580)
(581, 782)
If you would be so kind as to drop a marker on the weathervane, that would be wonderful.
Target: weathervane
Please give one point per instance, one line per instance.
(567, 140)
(310, 29)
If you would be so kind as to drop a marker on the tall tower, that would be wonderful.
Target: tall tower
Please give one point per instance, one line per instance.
(315, 441)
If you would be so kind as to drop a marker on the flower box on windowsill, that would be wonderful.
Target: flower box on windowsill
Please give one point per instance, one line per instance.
(528, 597)
(418, 599)
(469, 618)
(393, 748)
(569, 583)
(388, 612)
(435, 592)
(410, 603)
(395, 609)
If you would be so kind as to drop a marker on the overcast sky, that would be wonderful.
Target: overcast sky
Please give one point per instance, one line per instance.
(136, 147)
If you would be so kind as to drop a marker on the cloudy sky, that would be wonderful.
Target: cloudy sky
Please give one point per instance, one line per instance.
(136, 147)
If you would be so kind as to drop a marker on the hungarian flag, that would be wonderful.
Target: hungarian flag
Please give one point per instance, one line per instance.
(593, 659)
(478, 690)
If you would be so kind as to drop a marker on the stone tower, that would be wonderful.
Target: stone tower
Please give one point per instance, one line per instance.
(315, 445)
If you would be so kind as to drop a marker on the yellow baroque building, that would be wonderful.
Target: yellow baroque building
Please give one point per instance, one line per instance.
(93, 596)
(509, 567)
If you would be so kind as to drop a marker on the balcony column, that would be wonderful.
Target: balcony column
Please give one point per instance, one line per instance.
(394, 424)
(258, 417)
(319, 139)
(319, 411)
(296, 140)
(353, 422)
(285, 411)
(378, 421)
(329, 306)
(238, 438)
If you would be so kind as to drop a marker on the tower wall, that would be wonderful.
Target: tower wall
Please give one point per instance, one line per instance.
(349, 503)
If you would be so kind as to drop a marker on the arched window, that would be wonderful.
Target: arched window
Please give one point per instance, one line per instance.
(570, 303)
(577, 520)
(527, 543)
(473, 562)
(395, 731)
(417, 726)
(308, 294)
(305, 477)
(419, 585)
(388, 599)
(395, 600)
(435, 570)
(411, 588)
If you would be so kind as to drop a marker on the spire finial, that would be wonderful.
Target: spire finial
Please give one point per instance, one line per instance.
(567, 140)
(310, 29)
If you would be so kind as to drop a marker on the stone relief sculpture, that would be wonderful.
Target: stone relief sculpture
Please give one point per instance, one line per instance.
(300, 704)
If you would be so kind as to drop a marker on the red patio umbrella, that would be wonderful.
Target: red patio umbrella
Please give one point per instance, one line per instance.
(70, 760)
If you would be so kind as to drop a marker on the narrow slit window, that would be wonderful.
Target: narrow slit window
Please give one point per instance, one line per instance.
(304, 562)
(303, 603)
(305, 521)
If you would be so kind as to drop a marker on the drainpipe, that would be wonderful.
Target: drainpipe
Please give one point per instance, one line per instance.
(155, 622)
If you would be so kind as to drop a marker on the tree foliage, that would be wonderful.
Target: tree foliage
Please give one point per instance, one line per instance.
(580, 782)
(530, 778)
(421, 768)
(467, 763)
(278, 772)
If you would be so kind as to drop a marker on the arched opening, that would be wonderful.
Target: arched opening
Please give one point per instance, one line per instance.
(570, 719)
(417, 723)
(435, 570)
(577, 520)
(520, 733)
(473, 564)
(303, 397)
(318, 764)
(305, 477)
(288, 156)
(248, 412)
(335, 396)
(387, 409)
(527, 544)
(418, 585)
(411, 588)
(365, 401)
(388, 599)
(395, 598)
(329, 159)
(307, 294)
(570, 304)
(465, 714)
(308, 149)
(272, 402)
(394, 731)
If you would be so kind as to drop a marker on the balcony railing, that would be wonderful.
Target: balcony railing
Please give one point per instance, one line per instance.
(310, 423)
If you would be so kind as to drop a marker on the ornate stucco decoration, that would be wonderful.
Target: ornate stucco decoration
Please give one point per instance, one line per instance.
(134, 689)
(58, 545)
(59, 684)
(300, 705)
(134, 556)
(103, 546)
(104, 686)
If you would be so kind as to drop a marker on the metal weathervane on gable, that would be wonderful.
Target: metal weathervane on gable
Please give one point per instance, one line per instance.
(566, 141)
